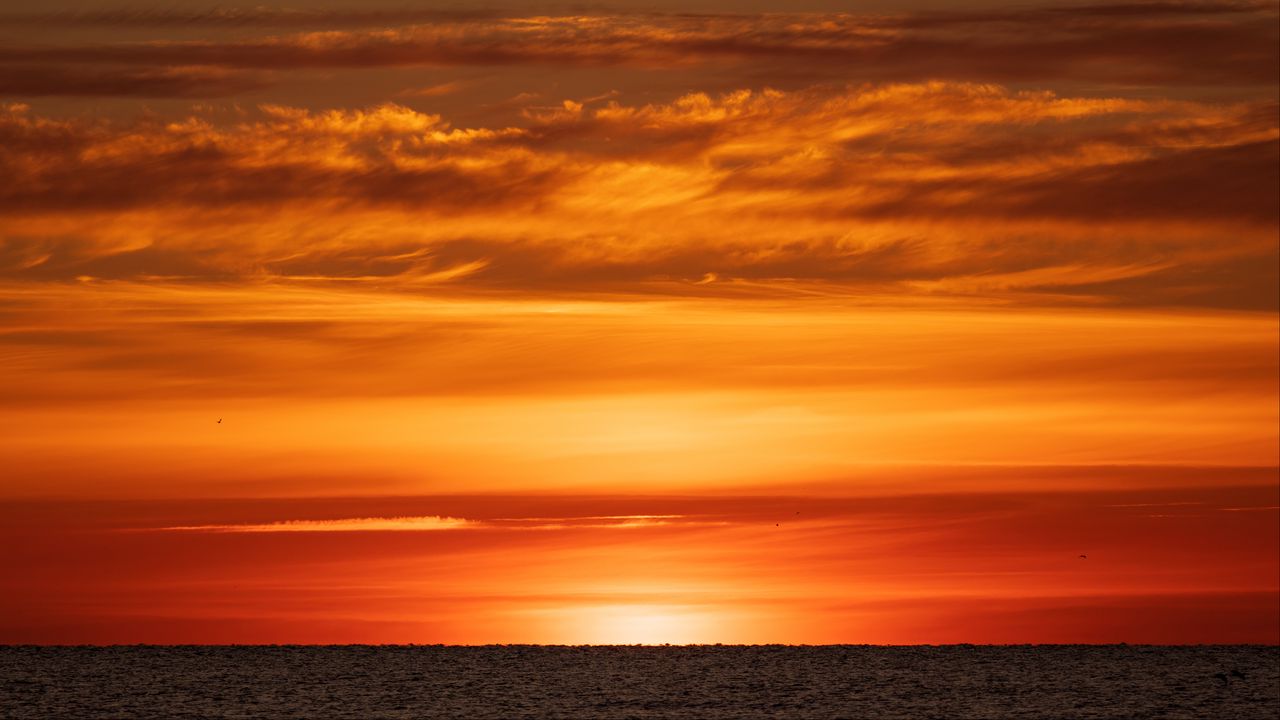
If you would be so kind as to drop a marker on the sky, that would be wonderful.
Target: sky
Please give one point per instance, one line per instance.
(640, 322)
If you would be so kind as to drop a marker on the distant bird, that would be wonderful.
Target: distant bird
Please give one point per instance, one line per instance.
(219, 421)
(1084, 557)
(777, 524)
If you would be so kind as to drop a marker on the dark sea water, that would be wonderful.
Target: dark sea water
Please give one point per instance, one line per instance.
(838, 681)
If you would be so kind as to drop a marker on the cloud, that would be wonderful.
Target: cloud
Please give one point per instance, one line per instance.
(388, 155)
(1169, 44)
(437, 90)
(238, 17)
(368, 524)
(269, 16)
(241, 18)
(437, 522)
(1163, 186)
(22, 80)
(934, 187)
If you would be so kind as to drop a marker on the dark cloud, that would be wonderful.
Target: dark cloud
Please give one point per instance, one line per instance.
(1173, 44)
(1248, 282)
(1174, 7)
(167, 82)
(1233, 182)
(1083, 13)
(194, 177)
(202, 174)
(239, 17)
(65, 258)
(338, 18)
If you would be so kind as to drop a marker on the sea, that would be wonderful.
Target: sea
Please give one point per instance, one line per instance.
(706, 682)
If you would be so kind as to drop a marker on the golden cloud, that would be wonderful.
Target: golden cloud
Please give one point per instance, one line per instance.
(915, 186)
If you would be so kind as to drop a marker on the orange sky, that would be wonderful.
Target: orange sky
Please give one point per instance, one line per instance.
(811, 323)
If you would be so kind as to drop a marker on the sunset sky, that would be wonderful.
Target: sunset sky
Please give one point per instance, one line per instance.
(640, 321)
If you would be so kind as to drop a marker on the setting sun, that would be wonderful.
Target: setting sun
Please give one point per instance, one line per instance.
(639, 625)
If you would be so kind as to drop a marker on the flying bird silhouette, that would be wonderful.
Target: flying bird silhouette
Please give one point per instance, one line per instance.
(219, 421)
(1084, 557)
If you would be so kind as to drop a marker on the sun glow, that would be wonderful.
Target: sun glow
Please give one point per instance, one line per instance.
(642, 624)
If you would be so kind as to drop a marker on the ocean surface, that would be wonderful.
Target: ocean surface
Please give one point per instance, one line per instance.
(705, 682)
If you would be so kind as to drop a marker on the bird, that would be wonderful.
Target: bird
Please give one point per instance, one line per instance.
(1084, 557)
(219, 421)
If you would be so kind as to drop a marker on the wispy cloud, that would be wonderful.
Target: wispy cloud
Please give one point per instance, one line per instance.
(366, 524)
(438, 522)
